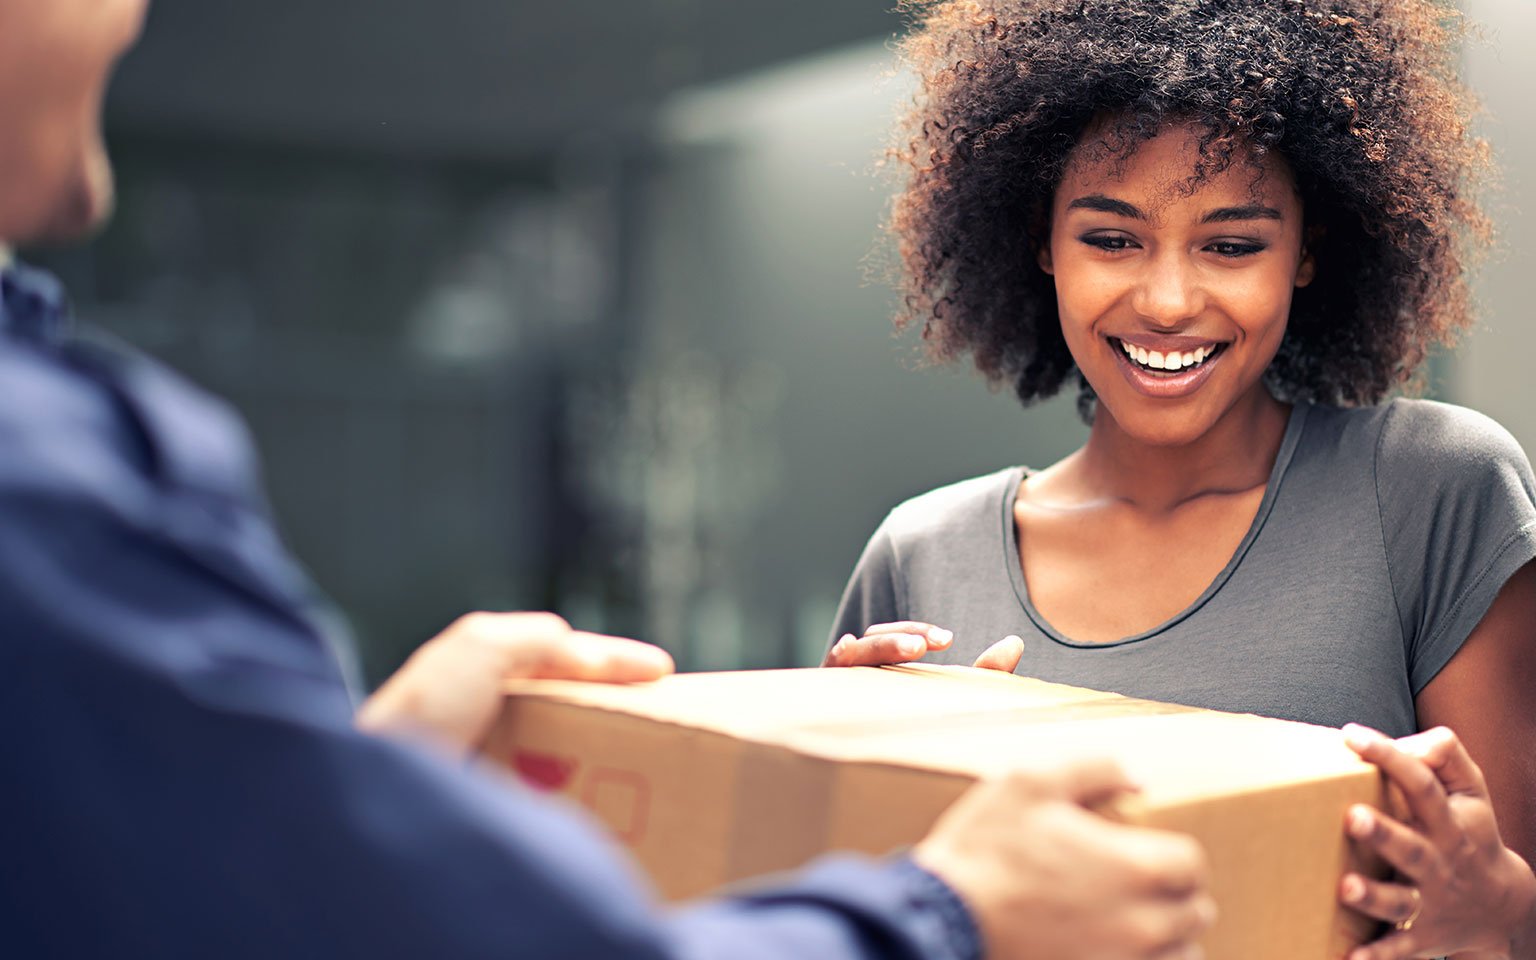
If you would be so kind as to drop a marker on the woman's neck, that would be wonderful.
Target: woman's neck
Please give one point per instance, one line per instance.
(1236, 454)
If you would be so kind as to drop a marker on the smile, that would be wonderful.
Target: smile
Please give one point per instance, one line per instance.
(1177, 370)
(1171, 361)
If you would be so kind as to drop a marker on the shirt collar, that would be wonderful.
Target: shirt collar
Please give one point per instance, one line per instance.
(32, 302)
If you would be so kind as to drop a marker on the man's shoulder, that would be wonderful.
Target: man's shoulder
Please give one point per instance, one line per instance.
(97, 411)
(60, 430)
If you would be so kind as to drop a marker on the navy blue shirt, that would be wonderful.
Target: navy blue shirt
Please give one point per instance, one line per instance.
(180, 775)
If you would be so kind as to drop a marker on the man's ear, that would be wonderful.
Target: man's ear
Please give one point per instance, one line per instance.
(1306, 270)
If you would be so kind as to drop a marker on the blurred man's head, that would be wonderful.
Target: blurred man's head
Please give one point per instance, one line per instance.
(55, 57)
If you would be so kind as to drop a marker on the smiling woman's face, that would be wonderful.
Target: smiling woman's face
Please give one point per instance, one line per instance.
(1173, 306)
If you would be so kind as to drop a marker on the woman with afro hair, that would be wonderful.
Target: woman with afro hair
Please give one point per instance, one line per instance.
(1236, 228)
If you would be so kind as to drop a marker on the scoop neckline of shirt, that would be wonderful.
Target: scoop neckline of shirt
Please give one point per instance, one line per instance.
(1288, 444)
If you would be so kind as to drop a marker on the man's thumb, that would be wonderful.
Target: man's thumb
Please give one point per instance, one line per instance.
(1094, 783)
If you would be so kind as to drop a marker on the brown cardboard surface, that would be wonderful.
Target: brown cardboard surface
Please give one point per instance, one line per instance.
(712, 778)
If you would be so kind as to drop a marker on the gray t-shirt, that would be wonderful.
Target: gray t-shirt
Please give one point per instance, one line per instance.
(1383, 536)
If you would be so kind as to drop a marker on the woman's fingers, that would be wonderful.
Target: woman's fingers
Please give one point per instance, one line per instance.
(885, 643)
(1425, 795)
(1402, 847)
(907, 640)
(937, 638)
(1397, 946)
(1443, 752)
(873, 651)
(1390, 902)
(1003, 655)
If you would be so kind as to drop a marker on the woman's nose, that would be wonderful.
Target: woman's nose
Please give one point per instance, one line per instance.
(1168, 292)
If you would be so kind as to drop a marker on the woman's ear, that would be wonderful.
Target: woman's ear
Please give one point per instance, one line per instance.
(1043, 257)
(1037, 226)
(1306, 270)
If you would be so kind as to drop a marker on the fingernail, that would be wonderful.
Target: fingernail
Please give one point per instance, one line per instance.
(1354, 889)
(1359, 821)
(1438, 739)
(940, 636)
(912, 647)
(1358, 736)
(1014, 637)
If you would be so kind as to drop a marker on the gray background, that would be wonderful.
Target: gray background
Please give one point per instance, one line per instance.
(579, 305)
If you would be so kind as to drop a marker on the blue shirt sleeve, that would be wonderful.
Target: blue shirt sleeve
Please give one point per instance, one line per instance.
(182, 776)
(841, 907)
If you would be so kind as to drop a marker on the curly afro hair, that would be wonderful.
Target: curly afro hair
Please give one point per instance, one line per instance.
(1360, 98)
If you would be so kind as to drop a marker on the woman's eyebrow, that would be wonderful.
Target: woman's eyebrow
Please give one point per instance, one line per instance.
(1103, 204)
(1253, 211)
(1120, 208)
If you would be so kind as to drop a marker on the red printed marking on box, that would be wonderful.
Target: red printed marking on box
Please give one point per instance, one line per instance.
(544, 770)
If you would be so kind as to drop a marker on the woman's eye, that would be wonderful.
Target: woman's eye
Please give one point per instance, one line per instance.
(1108, 242)
(1234, 248)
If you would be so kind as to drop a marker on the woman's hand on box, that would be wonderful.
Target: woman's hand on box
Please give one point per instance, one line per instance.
(1046, 877)
(1458, 889)
(883, 643)
(1003, 656)
(450, 690)
(908, 640)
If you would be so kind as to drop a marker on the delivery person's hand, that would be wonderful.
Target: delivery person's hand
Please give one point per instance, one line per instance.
(1045, 877)
(450, 690)
(1459, 889)
(908, 640)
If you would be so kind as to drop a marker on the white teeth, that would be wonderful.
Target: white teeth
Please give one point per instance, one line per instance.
(1172, 360)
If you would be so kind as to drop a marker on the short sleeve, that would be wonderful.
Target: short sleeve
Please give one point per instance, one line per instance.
(1458, 511)
(874, 592)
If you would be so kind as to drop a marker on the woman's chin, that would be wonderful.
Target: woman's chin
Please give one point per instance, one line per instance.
(1160, 424)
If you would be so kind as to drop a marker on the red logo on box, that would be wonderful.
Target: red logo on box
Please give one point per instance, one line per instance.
(544, 771)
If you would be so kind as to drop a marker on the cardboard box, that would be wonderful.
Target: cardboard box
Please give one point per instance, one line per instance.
(712, 778)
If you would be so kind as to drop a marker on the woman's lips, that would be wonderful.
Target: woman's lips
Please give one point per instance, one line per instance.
(1195, 358)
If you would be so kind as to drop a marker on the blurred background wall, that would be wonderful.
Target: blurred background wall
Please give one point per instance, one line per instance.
(1492, 370)
(579, 305)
